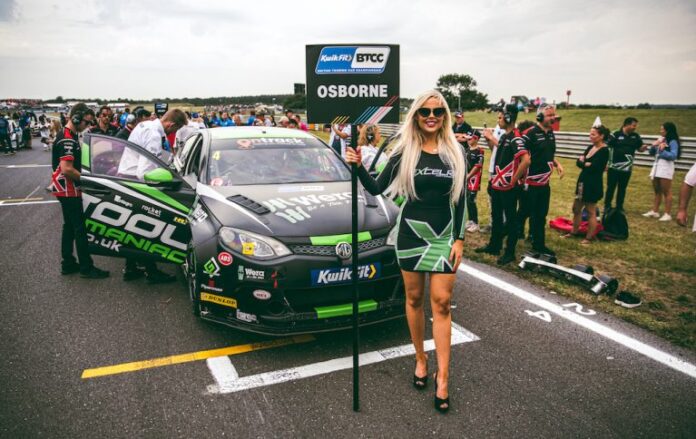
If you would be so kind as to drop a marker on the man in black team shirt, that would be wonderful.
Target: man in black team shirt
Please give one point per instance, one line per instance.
(622, 149)
(65, 185)
(541, 144)
(505, 188)
(461, 129)
(104, 125)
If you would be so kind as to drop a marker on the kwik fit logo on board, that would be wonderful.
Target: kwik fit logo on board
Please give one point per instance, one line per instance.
(352, 59)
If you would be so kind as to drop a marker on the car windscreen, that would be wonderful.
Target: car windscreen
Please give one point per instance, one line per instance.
(273, 160)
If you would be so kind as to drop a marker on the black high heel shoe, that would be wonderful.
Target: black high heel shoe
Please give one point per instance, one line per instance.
(420, 383)
(441, 405)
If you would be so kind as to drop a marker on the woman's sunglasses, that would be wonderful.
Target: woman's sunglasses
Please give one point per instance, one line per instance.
(426, 112)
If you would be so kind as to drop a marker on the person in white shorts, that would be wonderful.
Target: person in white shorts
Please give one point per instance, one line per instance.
(685, 195)
(666, 150)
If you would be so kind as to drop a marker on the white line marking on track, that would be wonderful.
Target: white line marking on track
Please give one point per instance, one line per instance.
(3, 204)
(459, 336)
(24, 166)
(629, 342)
(222, 369)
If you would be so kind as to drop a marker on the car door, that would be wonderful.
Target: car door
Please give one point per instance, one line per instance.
(127, 215)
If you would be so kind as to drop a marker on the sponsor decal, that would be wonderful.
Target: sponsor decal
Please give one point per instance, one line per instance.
(119, 200)
(261, 294)
(290, 189)
(225, 258)
(245, 317)
(435, 172)
(248, 248)
(211, 268)
(216, 155)
(179, 220)
(152, 211)
(296, 209)
(341, 275)
(197, 216)
(109, 244)
(130, 229)
(240, 273)
(250, 273)
(220, 300)
(352, 59)
(217, 181)
(211, 288)
(269, 141)
(344, 250)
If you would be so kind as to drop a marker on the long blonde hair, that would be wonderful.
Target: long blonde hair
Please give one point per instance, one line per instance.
(410, 140)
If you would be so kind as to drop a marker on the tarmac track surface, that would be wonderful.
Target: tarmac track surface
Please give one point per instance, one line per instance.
(521, 367)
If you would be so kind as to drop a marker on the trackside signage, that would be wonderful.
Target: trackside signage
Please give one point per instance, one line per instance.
(353, 83)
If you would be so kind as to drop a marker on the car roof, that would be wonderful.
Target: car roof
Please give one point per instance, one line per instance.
(223, 133)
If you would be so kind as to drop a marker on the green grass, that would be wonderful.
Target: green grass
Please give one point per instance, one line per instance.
(657, 262)
(581, 120)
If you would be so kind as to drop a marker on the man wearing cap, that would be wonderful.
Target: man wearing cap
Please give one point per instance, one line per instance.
(125, 132)
(461, 128)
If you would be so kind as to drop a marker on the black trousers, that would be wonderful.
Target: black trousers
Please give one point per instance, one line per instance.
(504, 219)
(522, 211)
(6, 141)
(74, 232)
(538, 198)
(471, 206)
(616, 179)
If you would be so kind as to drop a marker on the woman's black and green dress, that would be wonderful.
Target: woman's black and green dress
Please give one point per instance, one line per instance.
(429, 225)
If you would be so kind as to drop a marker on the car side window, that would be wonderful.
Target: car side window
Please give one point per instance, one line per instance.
(114, 157)
(185, 153)
(194, 160)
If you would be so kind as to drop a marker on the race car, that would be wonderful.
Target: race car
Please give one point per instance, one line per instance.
(259, 219)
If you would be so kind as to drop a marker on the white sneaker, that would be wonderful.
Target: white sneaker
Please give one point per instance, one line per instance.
(651, 214)
(666, 217)
(473, 228)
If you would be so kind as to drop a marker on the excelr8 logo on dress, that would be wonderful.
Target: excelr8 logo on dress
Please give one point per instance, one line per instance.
(352, 59)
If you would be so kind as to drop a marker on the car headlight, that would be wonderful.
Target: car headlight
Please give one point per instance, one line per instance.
(252, 245)
(391, 238)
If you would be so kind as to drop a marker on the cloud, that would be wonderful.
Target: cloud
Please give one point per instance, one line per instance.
(625, 51)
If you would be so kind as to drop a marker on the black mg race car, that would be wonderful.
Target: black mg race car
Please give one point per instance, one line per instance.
(260, 220)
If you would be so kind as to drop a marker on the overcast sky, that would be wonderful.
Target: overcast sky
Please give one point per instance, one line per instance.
(604, 51)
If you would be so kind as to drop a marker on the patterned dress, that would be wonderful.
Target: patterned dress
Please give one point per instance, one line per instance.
(429, 225)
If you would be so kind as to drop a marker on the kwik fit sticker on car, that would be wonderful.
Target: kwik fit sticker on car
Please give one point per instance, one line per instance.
(340, 275)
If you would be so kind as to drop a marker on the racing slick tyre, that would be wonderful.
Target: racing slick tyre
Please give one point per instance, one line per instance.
(584, 268)
(612, 284)
(192, 282)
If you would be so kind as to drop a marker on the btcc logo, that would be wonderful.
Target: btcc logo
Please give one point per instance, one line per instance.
(371, 57)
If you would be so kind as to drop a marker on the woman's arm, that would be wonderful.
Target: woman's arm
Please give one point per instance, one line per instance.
(670, 154)
(379, 185)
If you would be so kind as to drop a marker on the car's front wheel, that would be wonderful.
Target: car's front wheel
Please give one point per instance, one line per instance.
(191, 280)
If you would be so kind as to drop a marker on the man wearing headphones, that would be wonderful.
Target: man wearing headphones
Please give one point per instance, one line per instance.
(540, 142)
(67, 165)
(505, 188)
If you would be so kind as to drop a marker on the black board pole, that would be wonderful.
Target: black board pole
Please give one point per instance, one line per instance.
(354, 270)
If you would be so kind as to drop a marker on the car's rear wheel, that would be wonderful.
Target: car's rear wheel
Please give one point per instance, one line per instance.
(191, 280)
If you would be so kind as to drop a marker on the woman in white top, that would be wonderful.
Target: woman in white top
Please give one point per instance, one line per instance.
(667, 150)
(370, 136)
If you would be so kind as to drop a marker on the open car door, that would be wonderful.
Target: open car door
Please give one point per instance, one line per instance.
(140, 214)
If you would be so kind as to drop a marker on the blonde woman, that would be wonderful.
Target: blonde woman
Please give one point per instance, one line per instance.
(427, 168)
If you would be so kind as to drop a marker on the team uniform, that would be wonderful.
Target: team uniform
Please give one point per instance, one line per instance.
(505, 192)
(463, 128)
(429, 225)
(109, 131)
(589, 186)
(474, 162)
(67, 148)
(622, 151)
(542, 150)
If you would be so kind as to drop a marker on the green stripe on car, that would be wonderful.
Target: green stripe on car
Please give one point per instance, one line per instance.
(346, 309)
(158, 195)
(335, 239)
(85, 155)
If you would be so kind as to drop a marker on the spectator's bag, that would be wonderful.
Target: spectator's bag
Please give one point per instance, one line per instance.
(615, 225)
